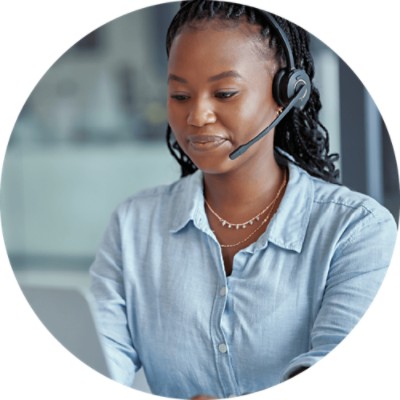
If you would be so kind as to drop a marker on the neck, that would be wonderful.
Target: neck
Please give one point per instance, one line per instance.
(242, 193)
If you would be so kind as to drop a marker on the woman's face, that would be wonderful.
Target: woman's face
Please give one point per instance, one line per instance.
(220, 95)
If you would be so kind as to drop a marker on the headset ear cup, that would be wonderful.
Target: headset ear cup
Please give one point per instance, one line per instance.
(287, 84)
(279, 88)
(298, 79)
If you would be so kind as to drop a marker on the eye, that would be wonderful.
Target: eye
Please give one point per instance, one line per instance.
(225, 95)
(179, 97)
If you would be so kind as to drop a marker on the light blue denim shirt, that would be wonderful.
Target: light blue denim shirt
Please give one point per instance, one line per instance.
(165, 304)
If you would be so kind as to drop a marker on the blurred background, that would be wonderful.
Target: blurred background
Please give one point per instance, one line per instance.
(93, 132)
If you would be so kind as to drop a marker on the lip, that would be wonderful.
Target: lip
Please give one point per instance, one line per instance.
(205, 142)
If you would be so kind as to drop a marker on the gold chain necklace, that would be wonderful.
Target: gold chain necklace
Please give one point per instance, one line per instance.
(251, 221)
(271, 205)
(251, 234)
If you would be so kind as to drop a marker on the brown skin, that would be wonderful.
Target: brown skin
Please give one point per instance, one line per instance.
(219, 97)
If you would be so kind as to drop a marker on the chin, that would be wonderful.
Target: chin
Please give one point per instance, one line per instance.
(213, 167)
(210, 162)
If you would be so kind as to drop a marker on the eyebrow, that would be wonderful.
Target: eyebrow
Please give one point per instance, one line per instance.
(222, 75)
(225, 74)
(172, 77)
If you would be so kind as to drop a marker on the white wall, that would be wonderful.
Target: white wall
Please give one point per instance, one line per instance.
(58, 200)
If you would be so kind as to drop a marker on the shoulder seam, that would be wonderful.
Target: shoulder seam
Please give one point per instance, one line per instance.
(341, 203)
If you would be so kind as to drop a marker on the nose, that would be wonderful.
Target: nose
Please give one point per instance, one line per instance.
(201, 113)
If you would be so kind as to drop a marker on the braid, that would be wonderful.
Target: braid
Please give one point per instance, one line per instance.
(300, 136)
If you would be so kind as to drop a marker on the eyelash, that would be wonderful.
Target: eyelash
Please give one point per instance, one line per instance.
(179, 97)
(225, 95)
(218, 95)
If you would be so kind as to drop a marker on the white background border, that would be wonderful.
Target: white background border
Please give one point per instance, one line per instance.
(34, 34)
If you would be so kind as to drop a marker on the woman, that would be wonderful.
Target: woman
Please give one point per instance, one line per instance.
(248, 270)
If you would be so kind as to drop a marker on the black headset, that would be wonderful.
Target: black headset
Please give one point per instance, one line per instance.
(289, 80)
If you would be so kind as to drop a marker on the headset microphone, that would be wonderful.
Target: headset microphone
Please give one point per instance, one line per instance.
(291, 87)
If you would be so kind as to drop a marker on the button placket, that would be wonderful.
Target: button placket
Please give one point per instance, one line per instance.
(219, 341)
(222, 347)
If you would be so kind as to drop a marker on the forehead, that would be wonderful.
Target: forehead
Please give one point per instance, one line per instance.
(221, 42)
(224, 24)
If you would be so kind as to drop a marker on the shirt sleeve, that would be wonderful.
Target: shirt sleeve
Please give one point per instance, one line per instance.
(356, 272)
(107, 288)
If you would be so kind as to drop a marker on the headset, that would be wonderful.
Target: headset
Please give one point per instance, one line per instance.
(291, 86)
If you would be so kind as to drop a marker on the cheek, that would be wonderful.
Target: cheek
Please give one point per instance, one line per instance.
(176, 121)
(254, 116)
(175, 115)
(170, 112)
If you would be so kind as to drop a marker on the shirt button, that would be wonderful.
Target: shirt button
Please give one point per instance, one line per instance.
(222, 291)
(222, 348)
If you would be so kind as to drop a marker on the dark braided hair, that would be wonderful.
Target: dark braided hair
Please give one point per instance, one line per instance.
(300, 136)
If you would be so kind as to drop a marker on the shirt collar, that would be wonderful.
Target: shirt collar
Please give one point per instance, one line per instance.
(189, 205)
(287, 228)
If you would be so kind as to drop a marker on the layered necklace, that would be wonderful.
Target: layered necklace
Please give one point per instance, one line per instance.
(267, 210)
